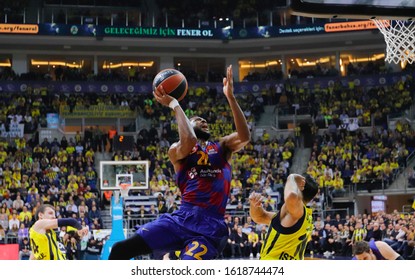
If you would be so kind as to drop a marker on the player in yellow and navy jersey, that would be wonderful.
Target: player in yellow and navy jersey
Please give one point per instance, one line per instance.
(289, 229)
(43, 239)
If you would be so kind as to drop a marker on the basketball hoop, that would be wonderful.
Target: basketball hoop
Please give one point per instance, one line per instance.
(124, 188)
(399, 38)
(121, 191)
(123, 184)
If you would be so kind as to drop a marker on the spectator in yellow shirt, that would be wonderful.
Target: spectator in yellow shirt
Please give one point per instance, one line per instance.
(17, 175)
(236, 185)
(312, 171)
(265, 135)
(338, 186)
(256, 170)
(20, 143)
(70, 149)
(3, 155)
(394, 164)
(253, 243)
(286, 154)
(72, 176)
(377, 169)
(72, 185)
(289, 144)
(90, 153)
(25, 213)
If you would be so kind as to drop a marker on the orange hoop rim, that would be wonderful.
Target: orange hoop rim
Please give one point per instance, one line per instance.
(125, 186)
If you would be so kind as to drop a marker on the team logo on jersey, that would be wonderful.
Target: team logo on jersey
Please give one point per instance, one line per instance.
(211, 149)
(192, 173)
(61, 248)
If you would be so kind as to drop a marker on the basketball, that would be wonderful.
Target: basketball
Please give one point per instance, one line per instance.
(173, 81)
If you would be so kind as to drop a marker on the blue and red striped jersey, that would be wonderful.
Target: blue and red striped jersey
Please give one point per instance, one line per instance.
(204, 178)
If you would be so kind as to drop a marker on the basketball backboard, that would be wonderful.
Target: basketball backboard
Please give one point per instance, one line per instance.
(115, 173)
(355, 9)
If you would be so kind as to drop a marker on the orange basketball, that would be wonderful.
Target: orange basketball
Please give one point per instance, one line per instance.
(173, 81)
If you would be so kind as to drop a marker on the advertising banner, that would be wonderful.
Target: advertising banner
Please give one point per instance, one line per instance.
(222, 33)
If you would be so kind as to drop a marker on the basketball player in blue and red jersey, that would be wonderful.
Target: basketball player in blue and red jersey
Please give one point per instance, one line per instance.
(203, 175)
(374, 250)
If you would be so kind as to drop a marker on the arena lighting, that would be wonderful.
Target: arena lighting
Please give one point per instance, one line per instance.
(275, 62)
(259, 65)
(305, 63)
(128, 64)
(57, 63)
(403, 64)
(327, 59)
(365, 59)
(6, 63)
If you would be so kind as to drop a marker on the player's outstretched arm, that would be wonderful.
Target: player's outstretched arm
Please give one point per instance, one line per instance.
(41, 226)
(237, 140)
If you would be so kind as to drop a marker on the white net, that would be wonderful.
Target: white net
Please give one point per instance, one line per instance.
(124, 188)
(399, 38)
(121, 192)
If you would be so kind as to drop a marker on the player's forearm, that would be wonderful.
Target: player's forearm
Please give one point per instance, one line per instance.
(291, 187)
(240, 121)
(69, 222)
(45, 224)
(186, 133)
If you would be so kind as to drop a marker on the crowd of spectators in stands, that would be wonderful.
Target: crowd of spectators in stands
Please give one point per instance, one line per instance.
(338, 101)
(347, 155)
(362, 161)
(334, 236)
(48, 172)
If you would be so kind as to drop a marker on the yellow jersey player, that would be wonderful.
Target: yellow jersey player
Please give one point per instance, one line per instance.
(43, 240)
(289, 229)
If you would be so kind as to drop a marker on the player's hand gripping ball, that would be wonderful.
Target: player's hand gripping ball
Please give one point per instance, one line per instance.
(173, 82)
